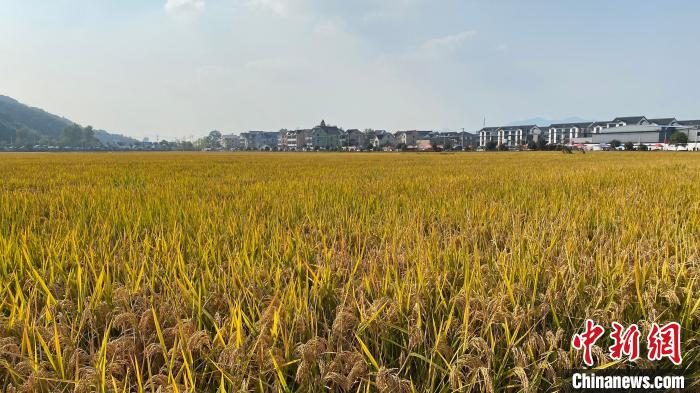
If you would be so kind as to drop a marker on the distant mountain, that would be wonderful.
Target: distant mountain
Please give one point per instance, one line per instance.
(18, 121)
(539, 121)
(109, 139)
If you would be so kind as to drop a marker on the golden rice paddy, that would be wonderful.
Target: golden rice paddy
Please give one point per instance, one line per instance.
(337, 272)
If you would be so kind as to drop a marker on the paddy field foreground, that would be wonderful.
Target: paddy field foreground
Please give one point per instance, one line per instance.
(227, 272)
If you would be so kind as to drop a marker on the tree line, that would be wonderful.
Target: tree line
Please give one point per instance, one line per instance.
(72, 136)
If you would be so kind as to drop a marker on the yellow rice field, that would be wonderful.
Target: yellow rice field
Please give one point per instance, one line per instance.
(181, 272)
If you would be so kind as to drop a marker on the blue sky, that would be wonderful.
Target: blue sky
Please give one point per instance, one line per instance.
(175, 68)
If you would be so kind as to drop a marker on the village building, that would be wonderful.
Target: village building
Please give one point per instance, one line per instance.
(293, 140)
(629, 121)
(666, 122)
(232, 141)
(324, 137)
(353, 139)
(509, 136)
(259, 140)
(564, 133)
(410, 138)
(383, 139)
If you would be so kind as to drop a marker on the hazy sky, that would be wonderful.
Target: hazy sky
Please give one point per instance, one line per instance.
(183, 67)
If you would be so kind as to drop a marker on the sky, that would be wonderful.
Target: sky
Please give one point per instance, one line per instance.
(180, 68)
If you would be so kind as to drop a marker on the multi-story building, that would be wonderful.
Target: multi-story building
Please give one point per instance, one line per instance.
(630, 128)
(665, 122)
(629, 121)
(510, 136)
(353, 139)
(410, 138)
(562, 133)
(691, 124)
(693, 129)
(283, 140)
(635, 129)
(452, 139)
(232, 141)
(487, 134)
(260, 140)
(597, 126)
(635, 133)
(293, 140)
(383, 139)
(324, 137)
(469, 139)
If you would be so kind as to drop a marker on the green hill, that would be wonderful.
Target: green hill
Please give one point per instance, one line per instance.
(22, 125)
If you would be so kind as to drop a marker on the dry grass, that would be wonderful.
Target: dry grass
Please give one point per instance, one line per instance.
(349, 272)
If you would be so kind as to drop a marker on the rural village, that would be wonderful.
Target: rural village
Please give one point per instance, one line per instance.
(637, 133)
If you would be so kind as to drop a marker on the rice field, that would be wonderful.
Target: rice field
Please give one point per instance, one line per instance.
(183, 272)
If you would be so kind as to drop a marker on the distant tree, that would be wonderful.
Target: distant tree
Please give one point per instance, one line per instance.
(679, 138)
(72, 136)
(629, 146)
(401, 146)
(642, 147)
(77, 136)
(615, 143)
(491, 145)
(187, 146)
(89, 138)
(541, 143)
(434, 145)
(502, 147)
(213, 140)
(200, 143)
(532, 145)
(26, 137)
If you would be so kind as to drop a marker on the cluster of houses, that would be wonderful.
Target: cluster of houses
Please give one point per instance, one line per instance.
(637, 129)
(332, 138)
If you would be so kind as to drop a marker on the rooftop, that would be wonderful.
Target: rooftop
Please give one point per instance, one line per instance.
(630, 119)
(663, 122)
(571, 125)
